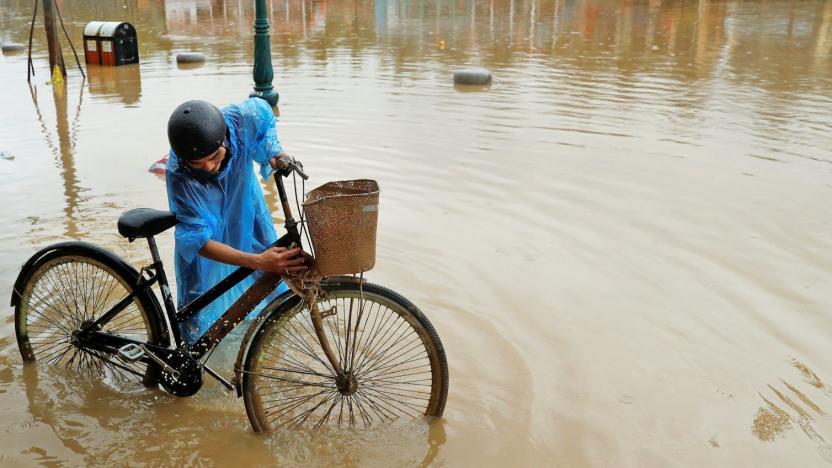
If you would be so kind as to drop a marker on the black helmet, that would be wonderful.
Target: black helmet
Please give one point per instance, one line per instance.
(195, 130)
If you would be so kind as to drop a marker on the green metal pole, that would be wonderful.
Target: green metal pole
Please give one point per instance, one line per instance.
(263, 72)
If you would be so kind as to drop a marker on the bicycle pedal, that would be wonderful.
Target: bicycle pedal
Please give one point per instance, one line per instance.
(130, 352)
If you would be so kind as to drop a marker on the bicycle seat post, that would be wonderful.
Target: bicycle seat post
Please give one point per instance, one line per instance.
(159, 269)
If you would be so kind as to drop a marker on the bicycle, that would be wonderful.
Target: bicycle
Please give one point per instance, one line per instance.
(333, 351)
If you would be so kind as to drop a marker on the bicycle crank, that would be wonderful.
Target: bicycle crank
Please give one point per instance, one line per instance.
(181, 375)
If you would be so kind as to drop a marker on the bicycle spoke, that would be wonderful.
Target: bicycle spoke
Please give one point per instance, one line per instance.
(284, 411)
(281, 379)
(325, 417)
(285, 357)
(378, 340)
(58, 293)
(407, 407)
(295, 371)
(289, 402)
(115, 366)
(356, 351)
(365, 418)
(398, 373)
(374, 354)
(309, 347)
(48, 351)
(374, 407)
(351, 415)
(379, 345)
(299, 419)
(57, 356)
(400, 357)
(63, 294)
(389, 395)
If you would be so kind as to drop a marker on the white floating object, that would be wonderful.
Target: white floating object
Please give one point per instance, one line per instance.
(6, 155)
(472, 76)
(190, 57)
(12, 47)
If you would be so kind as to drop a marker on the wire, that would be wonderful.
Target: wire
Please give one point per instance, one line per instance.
(31, 66)
(305, 230)
(77, 62)
(301, 213)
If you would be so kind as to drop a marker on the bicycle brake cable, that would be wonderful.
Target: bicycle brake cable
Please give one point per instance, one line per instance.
(301, 213)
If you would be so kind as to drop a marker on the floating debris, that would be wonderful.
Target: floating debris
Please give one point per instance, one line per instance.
(9, 47)
(472, 76)
(190, 57)
(160, 166)
(6, 155)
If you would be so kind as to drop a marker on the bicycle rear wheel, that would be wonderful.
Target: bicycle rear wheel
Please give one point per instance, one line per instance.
(69, 288)
(394, 359)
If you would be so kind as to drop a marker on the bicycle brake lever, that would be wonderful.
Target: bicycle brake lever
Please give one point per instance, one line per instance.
(298, 167)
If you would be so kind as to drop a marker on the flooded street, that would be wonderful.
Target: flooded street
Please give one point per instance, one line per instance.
(625, 242)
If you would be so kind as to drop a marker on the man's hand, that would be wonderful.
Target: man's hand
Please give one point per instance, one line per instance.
(275, 259)
(282, 260)
(284, 164)
(277, 164)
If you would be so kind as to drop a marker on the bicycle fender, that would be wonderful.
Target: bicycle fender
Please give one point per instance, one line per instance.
(77, 247)
(32, 263)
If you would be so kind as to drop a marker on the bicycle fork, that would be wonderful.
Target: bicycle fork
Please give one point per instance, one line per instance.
(344, 379)
(317, 323)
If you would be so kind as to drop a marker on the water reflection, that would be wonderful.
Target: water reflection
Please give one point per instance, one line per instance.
(64, 151)
(436, 439)
(628, 39)
(189, 66)
(123, 84)
(42, 414)
(586, 95)
(463, 88)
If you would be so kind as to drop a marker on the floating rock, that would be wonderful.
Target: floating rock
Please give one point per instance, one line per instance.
(6, 155)
(12, 47)
(190, 57)
(472, 76)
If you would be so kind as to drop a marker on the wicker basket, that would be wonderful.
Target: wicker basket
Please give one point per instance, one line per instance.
(342, 218)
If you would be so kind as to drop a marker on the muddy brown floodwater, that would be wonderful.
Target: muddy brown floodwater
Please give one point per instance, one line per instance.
(625, 242)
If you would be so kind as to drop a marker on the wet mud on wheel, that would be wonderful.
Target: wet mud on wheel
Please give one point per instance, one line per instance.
(69, 288)
(395, 365)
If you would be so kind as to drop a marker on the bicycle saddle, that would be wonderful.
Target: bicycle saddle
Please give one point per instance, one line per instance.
(145, 222)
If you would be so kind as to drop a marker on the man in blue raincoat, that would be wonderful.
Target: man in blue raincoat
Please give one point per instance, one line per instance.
(224, 221)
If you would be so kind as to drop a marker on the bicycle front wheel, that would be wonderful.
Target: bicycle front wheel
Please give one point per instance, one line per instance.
(70, 288)
(395, 363)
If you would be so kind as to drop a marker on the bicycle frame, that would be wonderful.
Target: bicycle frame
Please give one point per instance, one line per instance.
(92, 336)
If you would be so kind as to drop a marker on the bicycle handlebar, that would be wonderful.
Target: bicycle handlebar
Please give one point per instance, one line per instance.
(286, 164)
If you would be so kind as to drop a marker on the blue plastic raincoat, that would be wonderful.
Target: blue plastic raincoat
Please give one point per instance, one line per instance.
(229, 209)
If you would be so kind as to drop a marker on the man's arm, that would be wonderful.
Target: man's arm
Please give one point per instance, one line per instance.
(275, 259)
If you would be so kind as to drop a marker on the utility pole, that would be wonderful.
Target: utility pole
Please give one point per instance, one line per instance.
(263, 72)
(56, 57)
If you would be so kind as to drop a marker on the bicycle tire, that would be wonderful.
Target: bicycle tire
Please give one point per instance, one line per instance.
(74, 284)
(309, 395)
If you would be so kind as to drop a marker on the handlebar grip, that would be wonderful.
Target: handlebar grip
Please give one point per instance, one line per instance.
(286, 164)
